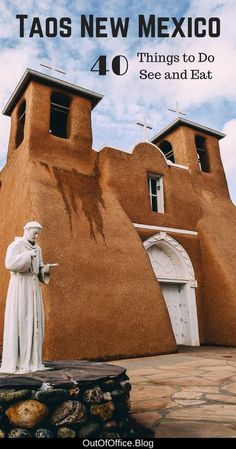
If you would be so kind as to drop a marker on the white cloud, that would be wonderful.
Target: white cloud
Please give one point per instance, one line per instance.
(14, 61)
(228, 147)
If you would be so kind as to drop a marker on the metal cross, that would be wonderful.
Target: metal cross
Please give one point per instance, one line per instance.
(145, 126)
(177, 109)
(53, 66)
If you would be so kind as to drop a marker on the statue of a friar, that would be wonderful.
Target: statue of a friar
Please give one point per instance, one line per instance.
(24, 314)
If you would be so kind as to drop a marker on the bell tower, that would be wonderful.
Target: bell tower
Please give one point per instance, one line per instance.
(51, 120)
(187, 143)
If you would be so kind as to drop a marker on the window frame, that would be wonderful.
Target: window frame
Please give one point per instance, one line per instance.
(159, 195)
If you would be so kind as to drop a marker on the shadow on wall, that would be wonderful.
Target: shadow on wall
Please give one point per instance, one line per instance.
(73, 185)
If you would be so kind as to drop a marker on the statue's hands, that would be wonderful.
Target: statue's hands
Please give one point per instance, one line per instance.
(44, 274)
(51, 265)
(46, 268)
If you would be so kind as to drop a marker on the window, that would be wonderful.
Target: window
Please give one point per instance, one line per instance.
(202, 153)
(20, 123)
(60, 108)
(167, 150)
(155, 187)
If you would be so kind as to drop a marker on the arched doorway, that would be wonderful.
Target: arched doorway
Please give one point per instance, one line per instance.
(174, 271)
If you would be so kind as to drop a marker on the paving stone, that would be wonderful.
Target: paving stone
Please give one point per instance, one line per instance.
(147, 419)
(152, 404)
(232, 379)
(231, 388)
(215, 412)
(181, 370)
(182, 429)
(138, 380)
(223, 368)
(190, 402)
(226, 398)
(186, 394)
(197, 363)
(169, 375)
(217, 376)
(151, 392)
(188, 380)
(232, 363)
(143, 371)
(201, 389)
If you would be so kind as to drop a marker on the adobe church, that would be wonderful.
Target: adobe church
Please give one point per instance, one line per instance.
(145, 242)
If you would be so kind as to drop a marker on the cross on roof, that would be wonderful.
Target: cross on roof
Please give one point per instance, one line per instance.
(177, 109)
(145, 126)
(53, 66)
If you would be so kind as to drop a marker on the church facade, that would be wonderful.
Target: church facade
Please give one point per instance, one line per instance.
(146, 242)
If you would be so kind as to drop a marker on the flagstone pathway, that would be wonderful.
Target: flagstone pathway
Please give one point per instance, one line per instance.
(190, 394)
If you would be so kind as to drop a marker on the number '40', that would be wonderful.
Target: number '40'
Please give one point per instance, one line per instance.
(119, 65)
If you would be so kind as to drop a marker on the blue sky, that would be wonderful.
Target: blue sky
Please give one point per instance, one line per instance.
(128, 98)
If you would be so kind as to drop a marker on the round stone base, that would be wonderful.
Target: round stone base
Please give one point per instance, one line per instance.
(71, 399)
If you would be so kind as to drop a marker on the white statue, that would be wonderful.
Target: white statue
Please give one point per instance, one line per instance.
(24, 314)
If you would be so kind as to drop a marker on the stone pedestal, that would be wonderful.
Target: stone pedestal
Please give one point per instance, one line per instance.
(70, 399)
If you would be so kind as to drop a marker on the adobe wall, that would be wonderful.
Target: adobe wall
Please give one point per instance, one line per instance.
(16, 202)
(97, 293)
(97, 305)
(217, 231)
(182, 209)
(127, 174)
(193, 201)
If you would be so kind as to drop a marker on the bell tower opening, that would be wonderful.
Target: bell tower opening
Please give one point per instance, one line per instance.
(20, 123)
(167, 150)
(59, 115)
(195, 146)
(202, 155)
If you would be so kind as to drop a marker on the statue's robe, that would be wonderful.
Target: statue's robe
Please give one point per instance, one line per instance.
(24, 314)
